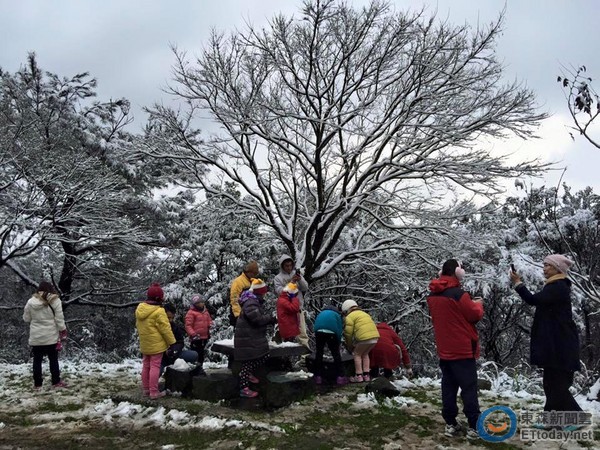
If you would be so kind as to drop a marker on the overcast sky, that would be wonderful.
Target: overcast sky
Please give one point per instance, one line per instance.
(125, 45)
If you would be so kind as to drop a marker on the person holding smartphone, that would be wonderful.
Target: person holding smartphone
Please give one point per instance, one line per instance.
(554, 345)
(454, 315)
(288, 273)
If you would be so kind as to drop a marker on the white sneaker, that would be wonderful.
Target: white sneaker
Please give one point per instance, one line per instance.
(472, 434)
(453, 430)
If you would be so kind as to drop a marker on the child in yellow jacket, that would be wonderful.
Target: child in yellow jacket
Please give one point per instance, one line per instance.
(156, 337)
(361, 335)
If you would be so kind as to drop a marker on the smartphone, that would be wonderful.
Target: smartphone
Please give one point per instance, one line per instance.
(298, 272)
(512, 267)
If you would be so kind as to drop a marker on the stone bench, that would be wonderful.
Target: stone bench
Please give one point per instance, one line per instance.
(276, 389)
(328, 373)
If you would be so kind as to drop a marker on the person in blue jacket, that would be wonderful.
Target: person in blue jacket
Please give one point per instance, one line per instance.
(554, 337)
(329, 328)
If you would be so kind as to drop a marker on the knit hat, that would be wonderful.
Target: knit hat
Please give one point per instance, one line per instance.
(348, 305)
(559, 262)
(291, 288)
(258, 287)
(155, 292)
(196, 298)
(46, 286)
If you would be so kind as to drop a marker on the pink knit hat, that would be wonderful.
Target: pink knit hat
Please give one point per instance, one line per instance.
(559, 262)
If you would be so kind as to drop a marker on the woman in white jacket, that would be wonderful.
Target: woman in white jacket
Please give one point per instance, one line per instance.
(44, 314)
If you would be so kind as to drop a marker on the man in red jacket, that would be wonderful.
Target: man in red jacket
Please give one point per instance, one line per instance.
(454, 315)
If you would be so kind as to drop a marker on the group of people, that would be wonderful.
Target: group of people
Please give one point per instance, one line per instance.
(332, 326)
(374, 347)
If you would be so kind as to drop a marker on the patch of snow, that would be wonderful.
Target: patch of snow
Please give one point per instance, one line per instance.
(181, 366)
(139, 416)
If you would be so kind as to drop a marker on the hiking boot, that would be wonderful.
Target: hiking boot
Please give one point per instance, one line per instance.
(161, 394)
(454, 430)
(341, 381)
(252, 379)
(60, 384)
(472, 434)
(248, 393)
(318, 379)
(356, 379)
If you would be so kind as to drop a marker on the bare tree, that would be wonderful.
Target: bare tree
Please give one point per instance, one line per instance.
(339, 114)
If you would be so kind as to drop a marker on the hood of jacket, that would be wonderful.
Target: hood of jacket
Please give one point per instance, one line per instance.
(145, 310)
(249, 296)
(282, 259)
(37, 300)
(442, 283)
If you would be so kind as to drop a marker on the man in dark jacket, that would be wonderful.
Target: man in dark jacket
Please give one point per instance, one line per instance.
(250, 345)
(454, 315)
(554, 337)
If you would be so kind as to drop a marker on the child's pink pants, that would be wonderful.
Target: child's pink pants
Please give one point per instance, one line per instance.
(151, 373)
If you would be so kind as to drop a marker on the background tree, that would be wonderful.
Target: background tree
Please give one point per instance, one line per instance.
(71, 195)
(583, 103)
(341, 113)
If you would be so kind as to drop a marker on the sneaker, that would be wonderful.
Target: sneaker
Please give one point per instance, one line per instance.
(60, 384)
(252, 379)
(248, 393)
(453, 430)
(318, 379)
(366, 377)
(472, 434)
(161, 394)
(356, 379)
(341, 381)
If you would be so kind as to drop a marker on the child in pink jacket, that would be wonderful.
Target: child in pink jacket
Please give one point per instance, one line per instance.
(197, 326)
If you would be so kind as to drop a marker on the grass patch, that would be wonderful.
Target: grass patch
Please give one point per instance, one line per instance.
(57, 407)
(421, 395)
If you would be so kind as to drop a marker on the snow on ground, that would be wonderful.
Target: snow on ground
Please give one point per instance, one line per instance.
(94, 389)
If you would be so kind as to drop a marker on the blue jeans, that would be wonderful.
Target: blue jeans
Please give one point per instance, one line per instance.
(189, 356)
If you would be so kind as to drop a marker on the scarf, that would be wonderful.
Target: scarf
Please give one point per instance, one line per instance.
(553, 278)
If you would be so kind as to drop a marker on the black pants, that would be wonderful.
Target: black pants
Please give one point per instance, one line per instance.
(332, 342)
(556, 387)
(39, 351)
(198, 345)
(460, 373)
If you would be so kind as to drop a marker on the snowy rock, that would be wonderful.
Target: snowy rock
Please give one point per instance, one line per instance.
(484, 385)
(381, 386)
